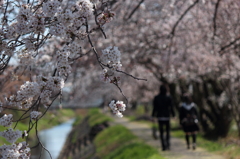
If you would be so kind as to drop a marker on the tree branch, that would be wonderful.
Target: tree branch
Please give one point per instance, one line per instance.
(134, 10)
(215, 17)
(182, 16)
(228, 45)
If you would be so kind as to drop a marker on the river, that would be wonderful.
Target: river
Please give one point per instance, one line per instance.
(53, 139)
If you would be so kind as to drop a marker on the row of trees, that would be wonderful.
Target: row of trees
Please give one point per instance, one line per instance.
(189, 45)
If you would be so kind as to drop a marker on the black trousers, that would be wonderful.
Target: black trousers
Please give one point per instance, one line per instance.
(164, 129)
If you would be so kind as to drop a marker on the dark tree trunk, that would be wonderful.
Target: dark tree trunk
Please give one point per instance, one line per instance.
(215, 120)
(134, 105)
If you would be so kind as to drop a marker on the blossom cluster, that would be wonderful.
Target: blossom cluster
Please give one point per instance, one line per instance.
(117, 107)
(11, 135)
(43, 87)
(105, 17)
(34, 114)
(51, 18)
(105, 76)
(50, 8)
(6, 120)
(110, 57)
(15, 151)
(25, 58)
(63, 66)
(70, 19)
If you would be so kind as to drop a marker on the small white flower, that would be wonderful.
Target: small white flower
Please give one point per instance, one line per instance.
(6, 120)
(117, 107)
(119, 114)
(34, 114)
(105, 70)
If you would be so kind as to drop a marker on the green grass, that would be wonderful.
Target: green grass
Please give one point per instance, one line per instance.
(134, 151)
(113, 137)
(74, 137)
(131, 118)
(77, 120)
(95, 117)
(119, 143)
(138, 112)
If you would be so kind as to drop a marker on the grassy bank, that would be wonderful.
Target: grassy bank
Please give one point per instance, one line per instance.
(95, 118)
(111, 142)
(119, 143)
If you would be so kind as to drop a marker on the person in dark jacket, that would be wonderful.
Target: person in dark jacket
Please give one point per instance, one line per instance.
(162, 110)
(188, 117)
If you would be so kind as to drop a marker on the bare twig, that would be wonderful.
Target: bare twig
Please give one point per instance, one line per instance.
(99, 26)
(12, 108)
(5, 64)
(132, 76)
(228, 45)
(134, 10)
(5, 12)
(41, 142)
(121, 93)
(215, 18)
(215, 24)
(33, 105)
(182, 16)
(93, 48)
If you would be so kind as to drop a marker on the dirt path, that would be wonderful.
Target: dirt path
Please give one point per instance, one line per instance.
(178, 146)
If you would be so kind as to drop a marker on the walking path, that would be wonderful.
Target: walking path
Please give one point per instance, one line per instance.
(178, 146)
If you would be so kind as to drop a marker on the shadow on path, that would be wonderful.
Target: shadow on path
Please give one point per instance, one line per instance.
(178, 146)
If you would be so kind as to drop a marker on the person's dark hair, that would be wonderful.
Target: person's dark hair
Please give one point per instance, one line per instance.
(187, 98)
(163, 89)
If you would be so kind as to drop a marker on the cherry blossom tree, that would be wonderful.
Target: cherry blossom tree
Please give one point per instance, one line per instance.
(48, 39)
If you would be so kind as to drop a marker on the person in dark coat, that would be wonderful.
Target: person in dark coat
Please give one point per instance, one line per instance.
(162, 110)
(188, 117)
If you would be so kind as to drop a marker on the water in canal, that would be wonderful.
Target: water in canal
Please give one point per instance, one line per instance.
(53, 139)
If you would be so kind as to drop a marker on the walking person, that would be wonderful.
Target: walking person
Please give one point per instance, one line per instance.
(188, 117)
(162, 109)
